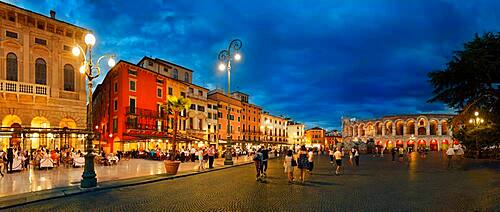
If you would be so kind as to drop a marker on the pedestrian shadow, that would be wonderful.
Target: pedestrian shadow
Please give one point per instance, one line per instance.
(320, 183)
(323, 174)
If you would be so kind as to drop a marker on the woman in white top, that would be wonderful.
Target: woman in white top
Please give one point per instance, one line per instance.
(310, 158)
(338, 160)
(201, 166)
(288, 164)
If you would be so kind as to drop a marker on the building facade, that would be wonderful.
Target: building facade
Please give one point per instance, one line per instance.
(274, 129)
(40, 86)
(197, 115)
(430, 130)
(315, 137)
(250, 119)
(228, 117)
(296, 134)
(332, 138)
(212, 111)
(134, 112)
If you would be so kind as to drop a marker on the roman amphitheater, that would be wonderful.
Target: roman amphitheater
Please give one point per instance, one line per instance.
(431, 130)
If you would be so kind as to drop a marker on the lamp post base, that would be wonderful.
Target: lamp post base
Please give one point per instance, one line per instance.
(228, 159)
(89, 176)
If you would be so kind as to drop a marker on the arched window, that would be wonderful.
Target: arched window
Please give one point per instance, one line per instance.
(186, 77)
(40, 71)
(11, 67)
(69, 78)
(176, 74)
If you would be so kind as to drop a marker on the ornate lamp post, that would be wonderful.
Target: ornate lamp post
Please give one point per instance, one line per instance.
(225, 57)
(476, 122)
(91, 71)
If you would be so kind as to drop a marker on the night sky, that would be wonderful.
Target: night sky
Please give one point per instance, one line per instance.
(313, 62)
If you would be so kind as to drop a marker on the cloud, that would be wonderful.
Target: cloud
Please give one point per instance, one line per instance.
(313, 62)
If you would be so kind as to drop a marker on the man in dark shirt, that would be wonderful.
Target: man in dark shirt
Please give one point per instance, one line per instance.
(10, 159)
(265, 157)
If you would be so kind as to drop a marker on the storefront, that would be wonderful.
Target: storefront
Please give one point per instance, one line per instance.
(48, 138)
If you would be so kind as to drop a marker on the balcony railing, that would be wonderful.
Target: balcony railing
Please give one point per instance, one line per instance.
(145, 113)
(23, 88)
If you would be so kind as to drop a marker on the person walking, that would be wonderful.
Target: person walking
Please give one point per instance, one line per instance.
(351, 152)
(356, 156)
(2, 161)
(10, 159)
(257, 158)
(330, 152)
(310, 158)
(338, 160)
(302, 163)
(193, 154)
(449, 153)
(393, 153)
(211, 156)
(201, 165)
(289, 165)
(265, 157)
(401, 153)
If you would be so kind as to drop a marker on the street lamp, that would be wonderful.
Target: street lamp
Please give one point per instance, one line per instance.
(476, 122)
(225, 57)
(91, 71)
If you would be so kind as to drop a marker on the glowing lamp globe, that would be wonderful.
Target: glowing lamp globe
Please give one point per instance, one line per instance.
(111, 62)
(82, 69)
(89, 39)
(75, 51)
(222, 67)
(237, 56)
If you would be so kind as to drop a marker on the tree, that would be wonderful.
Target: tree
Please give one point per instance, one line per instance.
(176, 105)
(470, 82)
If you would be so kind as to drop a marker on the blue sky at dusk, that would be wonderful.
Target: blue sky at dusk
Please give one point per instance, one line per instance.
(313, 62)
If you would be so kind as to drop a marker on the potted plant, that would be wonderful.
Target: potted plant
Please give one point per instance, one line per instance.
(176, 105)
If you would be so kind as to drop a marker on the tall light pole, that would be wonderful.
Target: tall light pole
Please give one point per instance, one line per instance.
(91, 71)
(477, 121)
(225, 57)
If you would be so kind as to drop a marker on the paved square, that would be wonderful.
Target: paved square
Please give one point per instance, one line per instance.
(377, 185)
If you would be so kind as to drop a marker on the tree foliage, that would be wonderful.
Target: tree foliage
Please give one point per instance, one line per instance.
(471, 82)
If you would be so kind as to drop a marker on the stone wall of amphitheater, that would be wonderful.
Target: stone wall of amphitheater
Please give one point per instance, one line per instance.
(431, 130)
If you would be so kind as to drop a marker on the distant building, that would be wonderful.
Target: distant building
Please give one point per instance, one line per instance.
(332, 138)
(228, 117)
(274, 129)
(413, 130)
(250, 118)
(315, 137)
(296, 134)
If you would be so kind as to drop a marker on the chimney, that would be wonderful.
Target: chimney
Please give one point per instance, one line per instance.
(52, 14)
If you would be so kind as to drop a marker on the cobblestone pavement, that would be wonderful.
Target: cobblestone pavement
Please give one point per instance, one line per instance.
(377, 185)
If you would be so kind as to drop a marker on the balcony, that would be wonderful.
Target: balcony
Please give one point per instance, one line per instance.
(23, 88)
(140, 112)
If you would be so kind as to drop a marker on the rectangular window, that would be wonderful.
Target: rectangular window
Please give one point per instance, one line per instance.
(191, 90)
(115, 104)
(40, 41)
(11, 34)
(219, 114)
(192, 107)
(200, 93)
(66, 48)
(201, 108)
(238, 118)
(159, 92)
(132, 72)
(132, 85)
(220, 126)
(210, 115)
(209, 106)
(170, 91)
(183, 94)
(132, 105)
(115, 124)
(115, 87)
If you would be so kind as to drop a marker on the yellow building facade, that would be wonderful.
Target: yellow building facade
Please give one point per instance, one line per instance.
(40, 86)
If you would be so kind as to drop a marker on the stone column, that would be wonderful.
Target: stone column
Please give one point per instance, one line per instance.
(428, 129)
(383, 129)
(439, 130)
(416, 130)
(394, 129)
(405, 130)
